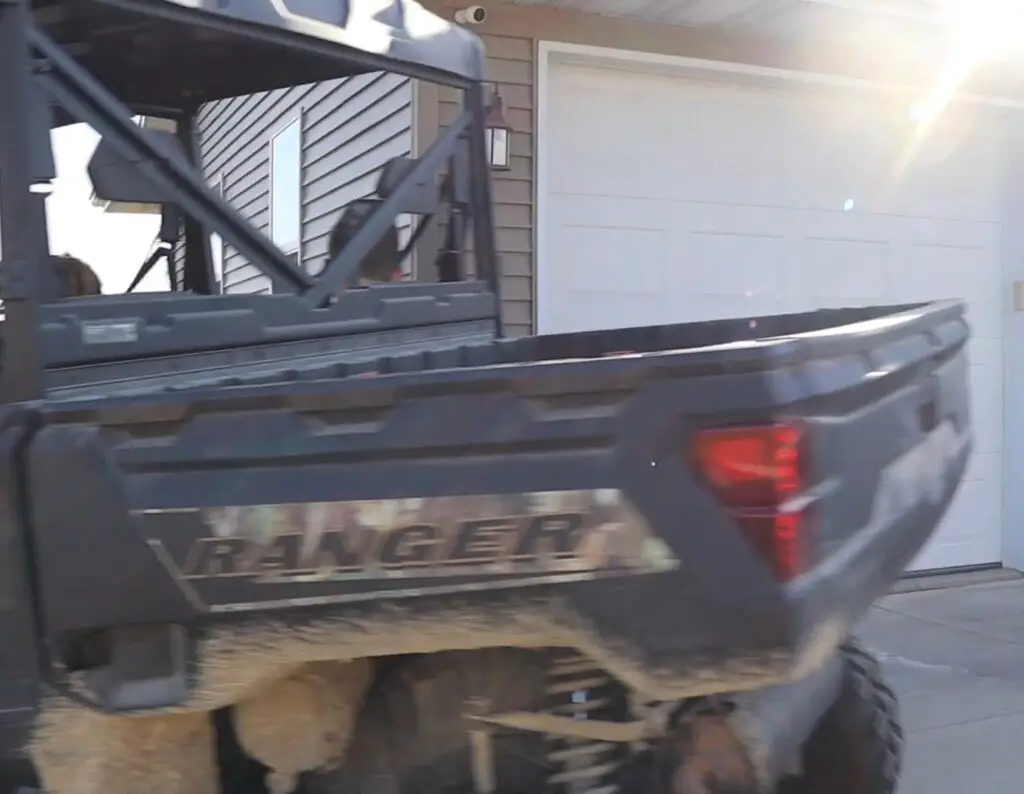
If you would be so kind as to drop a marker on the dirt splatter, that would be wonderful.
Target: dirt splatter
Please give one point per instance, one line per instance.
(168, 754)
(304, 721)
(237, 661)
(82, 751)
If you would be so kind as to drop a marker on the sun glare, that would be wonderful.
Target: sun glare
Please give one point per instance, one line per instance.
(977, 31)
(983, 29)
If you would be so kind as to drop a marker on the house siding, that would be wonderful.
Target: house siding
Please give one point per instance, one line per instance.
(510, 64)
(350, 129)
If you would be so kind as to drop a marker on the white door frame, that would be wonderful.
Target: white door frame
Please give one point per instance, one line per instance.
(553, 52)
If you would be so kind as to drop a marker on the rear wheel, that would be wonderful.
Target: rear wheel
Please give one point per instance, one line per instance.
(857, 747)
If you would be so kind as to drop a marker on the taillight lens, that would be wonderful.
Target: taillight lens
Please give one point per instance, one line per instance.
(756, 472)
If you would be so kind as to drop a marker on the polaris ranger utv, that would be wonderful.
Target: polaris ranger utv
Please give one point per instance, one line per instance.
(349, 538)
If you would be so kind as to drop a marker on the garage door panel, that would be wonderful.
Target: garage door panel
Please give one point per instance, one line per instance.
(833, 180)
(611, 246)
(943, 232)
(589, 312)
(954, 272)
(742, 265)
(984, 289)
(734, 161)
(733, 202)
(985, 323)
(605, 258)
(623, 178)
(979, 235)
(835, 223)
(953, 172)
(637, 118)
(858, 150)
(948, 173)
(616, 270)
(920, 273)
(907, 278)
(933, 199)
(987, 354)
(624, 170)
(743, 219)
(725, 307)
(986, 406)
(739, 161)
(844, 269)
(960, 537)
(983, 467)
(606, 210)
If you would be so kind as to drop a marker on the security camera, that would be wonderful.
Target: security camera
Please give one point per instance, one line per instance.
(471, 15)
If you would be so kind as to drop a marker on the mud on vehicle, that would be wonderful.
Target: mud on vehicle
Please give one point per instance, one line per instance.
(348, 537)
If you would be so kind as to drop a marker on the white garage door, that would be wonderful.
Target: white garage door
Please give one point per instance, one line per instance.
(669, 199)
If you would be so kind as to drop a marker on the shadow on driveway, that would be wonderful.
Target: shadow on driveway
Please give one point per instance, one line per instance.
(956, 657)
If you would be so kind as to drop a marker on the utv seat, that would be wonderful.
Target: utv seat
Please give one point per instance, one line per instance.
(74, 277)
(384, 262)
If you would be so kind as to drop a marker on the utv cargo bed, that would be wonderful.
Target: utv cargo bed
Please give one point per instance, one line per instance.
(748, 486)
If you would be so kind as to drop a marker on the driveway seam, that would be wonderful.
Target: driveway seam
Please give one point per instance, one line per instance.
(949, 626)
(975, 721)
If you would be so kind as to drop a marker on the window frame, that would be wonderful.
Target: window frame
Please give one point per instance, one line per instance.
(216, 241)
(288, 247)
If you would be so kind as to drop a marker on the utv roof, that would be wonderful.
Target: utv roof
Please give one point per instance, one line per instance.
(177, 54)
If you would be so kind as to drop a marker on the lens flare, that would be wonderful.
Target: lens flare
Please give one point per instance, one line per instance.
(977, 32)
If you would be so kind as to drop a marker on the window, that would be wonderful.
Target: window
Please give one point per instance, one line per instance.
(286, 189)
(216, 243)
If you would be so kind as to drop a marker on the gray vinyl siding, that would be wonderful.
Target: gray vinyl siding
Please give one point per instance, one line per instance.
(350, 128)
(510, 64)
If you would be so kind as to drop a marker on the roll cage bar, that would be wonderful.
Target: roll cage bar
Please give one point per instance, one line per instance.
(37, 72)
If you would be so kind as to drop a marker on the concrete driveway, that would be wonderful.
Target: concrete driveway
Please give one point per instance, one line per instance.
(956, 656)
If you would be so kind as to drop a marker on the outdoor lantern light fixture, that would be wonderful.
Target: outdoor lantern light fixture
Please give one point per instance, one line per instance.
(497, 133)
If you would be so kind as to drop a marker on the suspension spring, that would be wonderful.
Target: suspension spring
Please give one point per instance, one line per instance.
(578, 689)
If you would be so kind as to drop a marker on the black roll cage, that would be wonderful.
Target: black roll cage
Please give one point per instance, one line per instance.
(31, 61)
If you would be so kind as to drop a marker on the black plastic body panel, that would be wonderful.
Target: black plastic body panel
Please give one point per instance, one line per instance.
(117, 328)
(259, 362)
(20, 685)
(609, 410)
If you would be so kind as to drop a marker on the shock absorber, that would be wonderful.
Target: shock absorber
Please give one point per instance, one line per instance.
(578, 689)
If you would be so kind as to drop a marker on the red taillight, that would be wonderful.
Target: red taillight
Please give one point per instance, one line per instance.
(756, 472)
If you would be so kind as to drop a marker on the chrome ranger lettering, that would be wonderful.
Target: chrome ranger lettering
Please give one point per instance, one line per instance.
(535, 541)
(234, 557)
